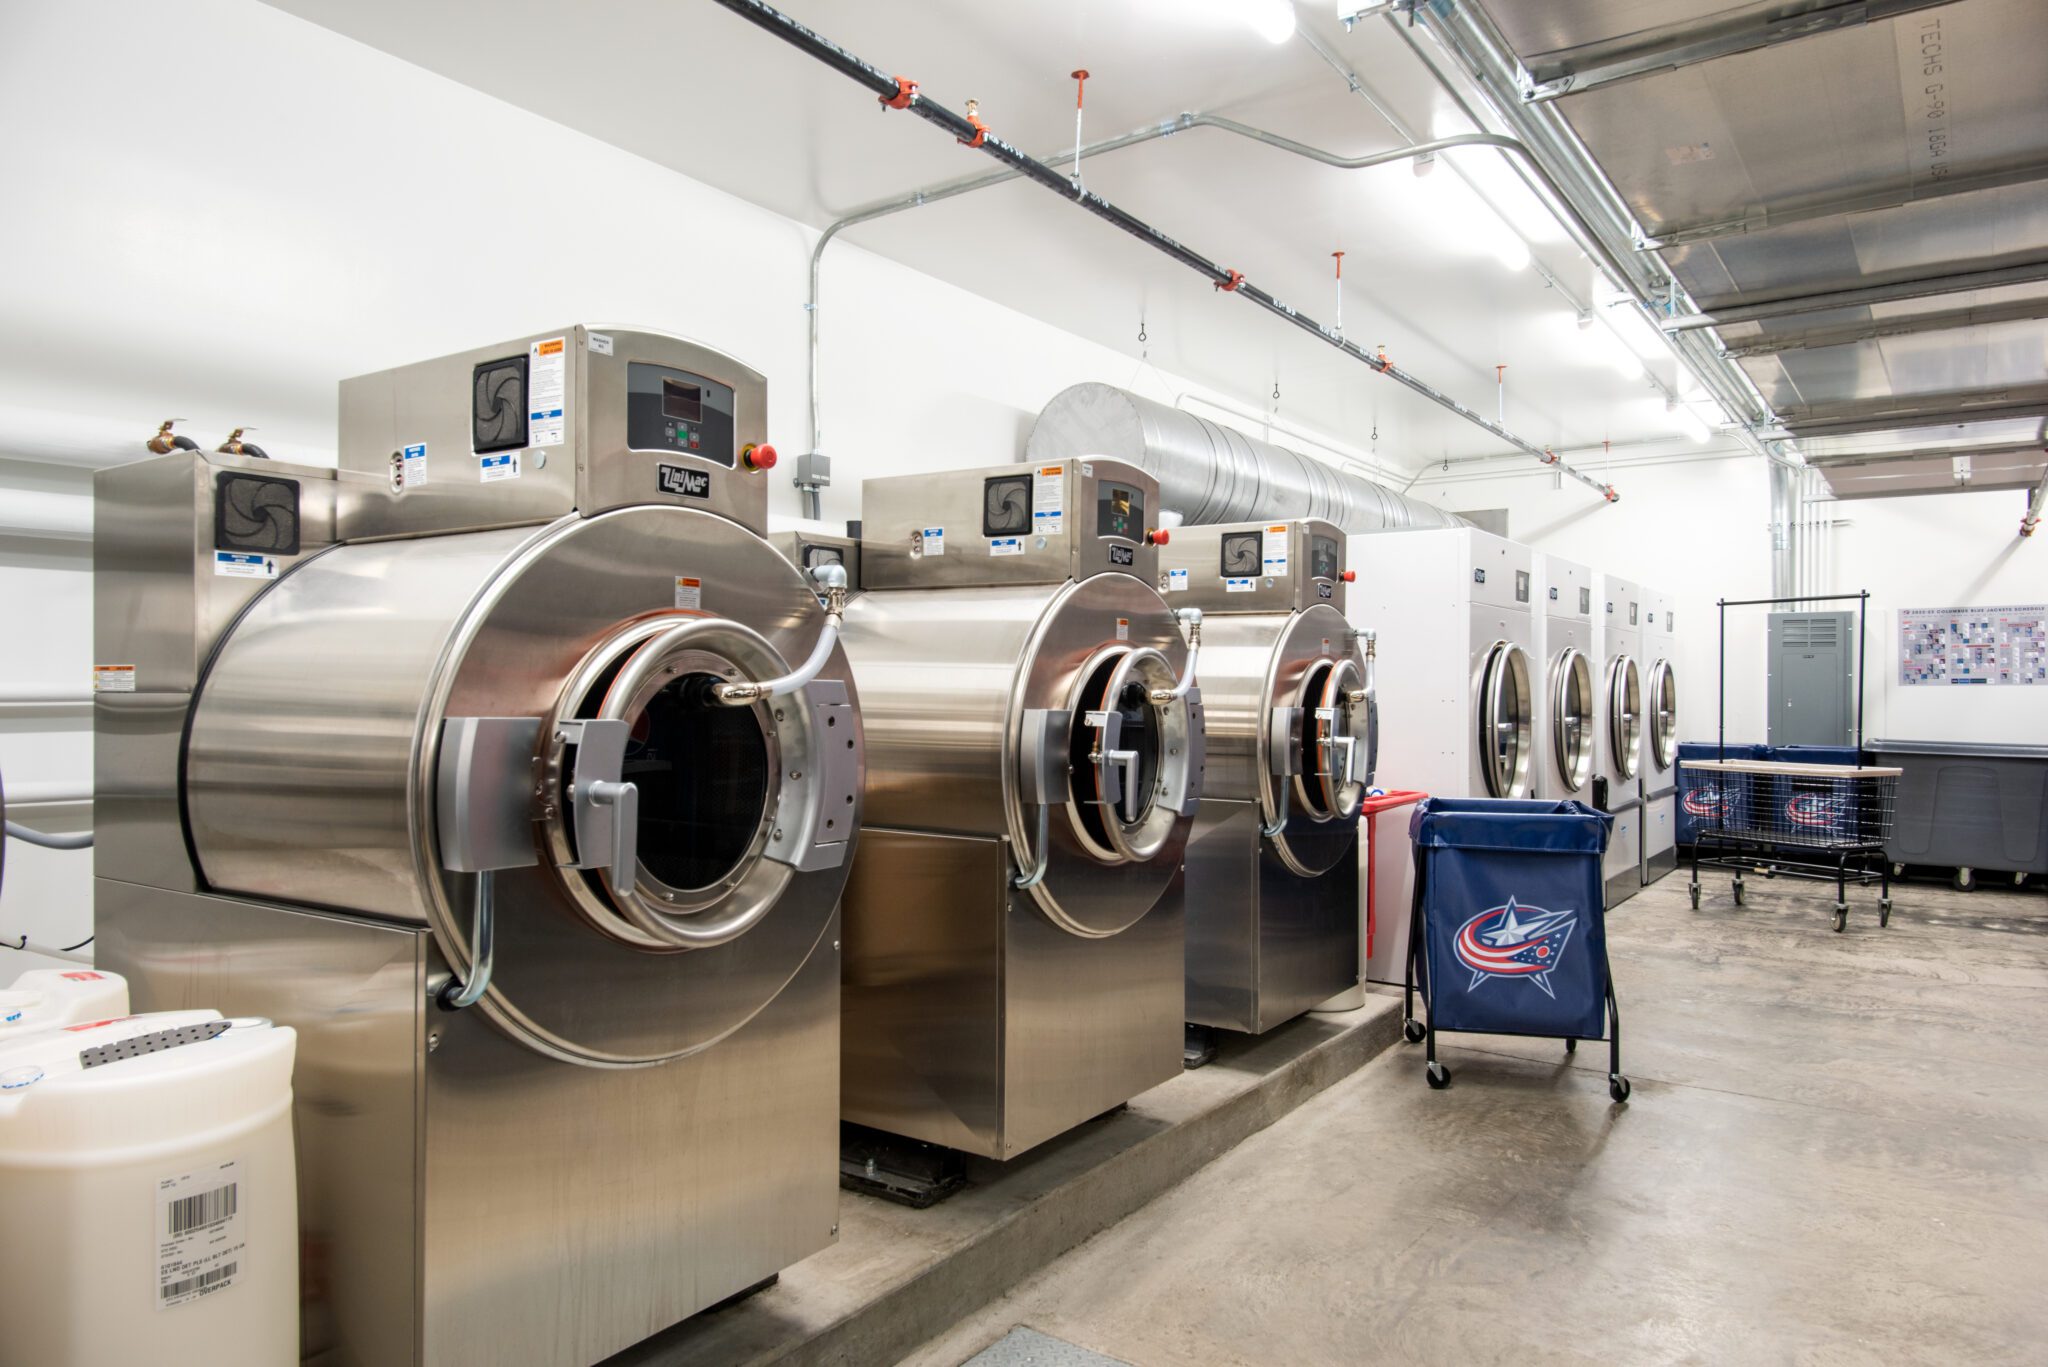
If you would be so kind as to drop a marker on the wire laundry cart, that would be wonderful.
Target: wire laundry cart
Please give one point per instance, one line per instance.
(1826, 822)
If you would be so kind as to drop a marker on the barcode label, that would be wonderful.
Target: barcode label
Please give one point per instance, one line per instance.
(207, 1208)
(202, 1234)
(205, 1281)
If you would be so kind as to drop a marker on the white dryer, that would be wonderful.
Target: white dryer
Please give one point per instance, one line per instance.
(1457, 686)
(1618, 645)
(1660, 738)
(1567, 680)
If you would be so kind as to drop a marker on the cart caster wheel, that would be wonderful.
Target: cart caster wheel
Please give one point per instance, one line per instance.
(1438, 1075)
(1884, 912)
(1412, 1031)
(1695, 896)
(1571, 1046)
(1841, 917)
(1738, 892)
(1618, 1088)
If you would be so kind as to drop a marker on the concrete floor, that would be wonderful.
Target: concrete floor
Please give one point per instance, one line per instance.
(1836, 1152)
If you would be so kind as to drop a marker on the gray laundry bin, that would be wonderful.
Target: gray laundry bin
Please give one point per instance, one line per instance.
(1972, 808)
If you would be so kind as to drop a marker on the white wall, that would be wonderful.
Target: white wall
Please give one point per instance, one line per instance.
(1699, 527)
(216, 211)
(1696, 528)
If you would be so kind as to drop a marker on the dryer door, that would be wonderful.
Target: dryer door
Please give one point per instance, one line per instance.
(1624, 715)
(1663, 715)
(1506, 725)
(1571, 718)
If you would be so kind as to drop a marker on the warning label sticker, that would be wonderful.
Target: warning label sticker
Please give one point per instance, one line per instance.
(1177, 581)
(412, 471)
(1006, 545)
(113, 678)
(689, 592)
(1274, 553)
(1240, 585)
(932, 540)
(504, 465)
(547, 382)
(1049, 501)
(201, 1235)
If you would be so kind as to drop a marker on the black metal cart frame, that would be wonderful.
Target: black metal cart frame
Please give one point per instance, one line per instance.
(1817, 859)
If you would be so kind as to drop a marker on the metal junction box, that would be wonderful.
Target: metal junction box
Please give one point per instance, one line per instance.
(1009, 524)
(573, 419)
(1254, 566)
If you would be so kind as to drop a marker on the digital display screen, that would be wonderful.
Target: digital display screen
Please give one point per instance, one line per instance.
(1324, 561)
(1120, 511)
(681, 402)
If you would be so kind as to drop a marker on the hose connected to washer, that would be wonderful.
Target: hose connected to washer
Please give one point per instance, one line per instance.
(832, 579)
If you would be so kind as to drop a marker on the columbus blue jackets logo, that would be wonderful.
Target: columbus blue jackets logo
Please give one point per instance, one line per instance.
(1816, 811)
(1705, 801)
(1515, 941)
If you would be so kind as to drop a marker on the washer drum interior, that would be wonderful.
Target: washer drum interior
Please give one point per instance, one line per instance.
(1030, 712)
(316, 749)
(1289, 728)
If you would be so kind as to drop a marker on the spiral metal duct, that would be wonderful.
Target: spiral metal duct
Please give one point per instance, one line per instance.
(1209, 473)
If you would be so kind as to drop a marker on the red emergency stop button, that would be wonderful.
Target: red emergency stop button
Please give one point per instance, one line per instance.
(1349, 576)
(1157, 538)
(760, 457)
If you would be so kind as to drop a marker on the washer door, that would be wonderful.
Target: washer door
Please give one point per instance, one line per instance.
(1663, 714)
(1132, 764)
(1625, 715)
(316, 745)
(1316, 670)
(1506, 721)
(1571, 717)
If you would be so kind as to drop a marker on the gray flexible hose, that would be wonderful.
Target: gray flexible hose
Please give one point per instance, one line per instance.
(80, 841)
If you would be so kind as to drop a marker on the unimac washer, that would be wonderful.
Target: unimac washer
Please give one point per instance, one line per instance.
(1271, 887)
(521, 777)
(1035, 761)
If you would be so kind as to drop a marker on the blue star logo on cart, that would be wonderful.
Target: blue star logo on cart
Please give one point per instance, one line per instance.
(1515, 941)
(1816, 811)
(1706, 800)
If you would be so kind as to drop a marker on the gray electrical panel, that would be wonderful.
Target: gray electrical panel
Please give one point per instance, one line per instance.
(1812, 663)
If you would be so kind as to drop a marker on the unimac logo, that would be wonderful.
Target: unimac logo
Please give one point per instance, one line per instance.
(1122, 555)
(687, 483)
(1324, 590)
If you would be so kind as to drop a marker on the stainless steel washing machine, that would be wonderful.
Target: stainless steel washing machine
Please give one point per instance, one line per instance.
(513, 768)
(1034, 766)
(1567, 674)
(1271, 887)
(1660, 738)
(1618, 644)
(1454, 612)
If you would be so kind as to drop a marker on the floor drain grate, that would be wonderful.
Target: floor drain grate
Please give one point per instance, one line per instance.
(1023, 1347)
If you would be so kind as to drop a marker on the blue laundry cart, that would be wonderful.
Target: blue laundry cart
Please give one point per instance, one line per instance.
(1509, 926)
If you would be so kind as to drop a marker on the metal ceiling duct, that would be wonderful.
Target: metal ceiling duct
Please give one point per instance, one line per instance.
(1209, 473)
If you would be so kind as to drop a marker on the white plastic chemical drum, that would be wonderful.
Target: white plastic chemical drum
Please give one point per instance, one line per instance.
(45, 998)
(148, 1194)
